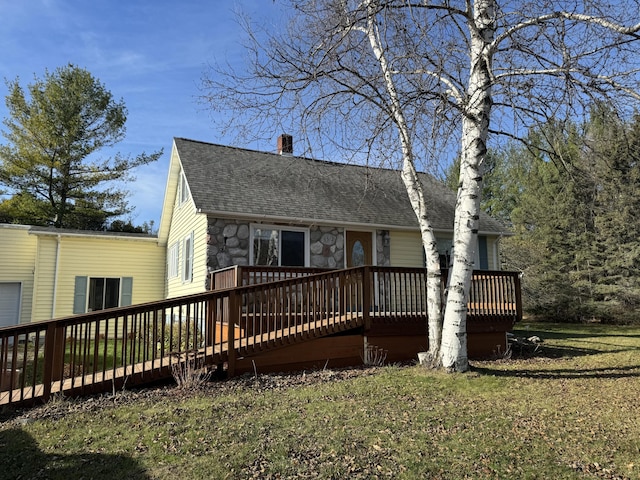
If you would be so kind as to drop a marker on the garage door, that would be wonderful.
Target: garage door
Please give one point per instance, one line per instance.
(9, 304)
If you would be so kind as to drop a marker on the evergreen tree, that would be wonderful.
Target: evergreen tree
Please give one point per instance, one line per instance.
(501, 182)
(49, 162)
(552, 226)
(577, 239)
(614, 147)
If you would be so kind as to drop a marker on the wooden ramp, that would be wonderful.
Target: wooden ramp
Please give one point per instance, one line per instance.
(162, 368)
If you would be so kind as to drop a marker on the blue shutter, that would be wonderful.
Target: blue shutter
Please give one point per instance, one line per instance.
(80, 295)
(482, 253)
(126, 290)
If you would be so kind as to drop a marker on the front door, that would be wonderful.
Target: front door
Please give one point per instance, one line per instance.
(359, 249)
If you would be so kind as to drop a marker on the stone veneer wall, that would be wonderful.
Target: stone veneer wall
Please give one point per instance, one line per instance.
(228, 244)
(383, 249)
(327, 247)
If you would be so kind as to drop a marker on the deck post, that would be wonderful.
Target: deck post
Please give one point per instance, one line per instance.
(516, 279)
(53, 357)
(232, 321)
(366, 297)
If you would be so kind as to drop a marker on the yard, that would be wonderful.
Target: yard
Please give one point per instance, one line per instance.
(570, 412)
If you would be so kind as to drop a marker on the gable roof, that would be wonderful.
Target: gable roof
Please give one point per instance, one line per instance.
(241, 183)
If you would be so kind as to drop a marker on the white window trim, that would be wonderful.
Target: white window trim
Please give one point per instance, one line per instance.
(89, 278)
(183, 190)
(173, 260)
(307, 250)
(187, 274)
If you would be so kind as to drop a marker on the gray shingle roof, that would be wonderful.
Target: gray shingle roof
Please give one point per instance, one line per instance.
(266, 185)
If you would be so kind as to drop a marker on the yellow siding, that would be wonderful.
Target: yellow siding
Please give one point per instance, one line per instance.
(17, 263)
(186, 219)
(405, 249)
(45, 277)
(109, 257)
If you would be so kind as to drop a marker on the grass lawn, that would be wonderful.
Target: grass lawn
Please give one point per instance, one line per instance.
(571, 412)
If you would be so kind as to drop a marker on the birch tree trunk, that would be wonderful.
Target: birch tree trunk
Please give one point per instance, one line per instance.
(414, 190)
(475, 127)
(434, 274)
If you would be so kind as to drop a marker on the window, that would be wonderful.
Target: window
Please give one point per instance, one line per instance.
(187, 258)
(445, 250)
(97, 293)
(103, 293)
(279, 247)
(184, 189)
(173, 260)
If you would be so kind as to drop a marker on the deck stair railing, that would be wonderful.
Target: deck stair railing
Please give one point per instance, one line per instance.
(109, 349)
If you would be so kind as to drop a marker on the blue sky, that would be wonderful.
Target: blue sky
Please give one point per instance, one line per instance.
(150, 53)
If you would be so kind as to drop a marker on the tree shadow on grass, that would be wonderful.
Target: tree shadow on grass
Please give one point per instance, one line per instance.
(595, 341)
(20, 457)
(563, 373)
(588, 331)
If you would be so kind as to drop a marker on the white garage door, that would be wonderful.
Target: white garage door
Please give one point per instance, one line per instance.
(9, 304)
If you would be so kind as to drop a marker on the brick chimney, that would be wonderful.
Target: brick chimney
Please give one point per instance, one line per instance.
(285, 144)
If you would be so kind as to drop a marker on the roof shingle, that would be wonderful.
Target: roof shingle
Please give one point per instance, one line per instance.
(232, 180)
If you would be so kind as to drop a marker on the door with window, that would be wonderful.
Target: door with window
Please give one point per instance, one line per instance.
(359, 252)
(359, 249)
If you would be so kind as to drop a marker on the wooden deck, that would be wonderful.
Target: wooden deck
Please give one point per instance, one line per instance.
(281, 320)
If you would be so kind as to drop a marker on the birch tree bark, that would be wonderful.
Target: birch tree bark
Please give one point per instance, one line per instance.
(475, 128)
(413, 187)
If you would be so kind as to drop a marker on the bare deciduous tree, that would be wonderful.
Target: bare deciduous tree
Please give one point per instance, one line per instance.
(403, 81)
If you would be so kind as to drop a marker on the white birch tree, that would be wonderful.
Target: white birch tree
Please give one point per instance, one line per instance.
(405, 80)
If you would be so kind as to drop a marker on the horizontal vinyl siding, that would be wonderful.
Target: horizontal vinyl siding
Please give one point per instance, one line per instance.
(45, 274)
(184, 221)
(405, 249)
(144, 261)
(17, 264)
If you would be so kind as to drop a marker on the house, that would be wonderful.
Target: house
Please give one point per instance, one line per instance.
(49, 273)
(230, 206)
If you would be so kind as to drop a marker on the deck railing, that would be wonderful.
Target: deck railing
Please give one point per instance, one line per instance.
(107, 349)
(102, 351)
(400, 291)
(239, 275)
(283, 311)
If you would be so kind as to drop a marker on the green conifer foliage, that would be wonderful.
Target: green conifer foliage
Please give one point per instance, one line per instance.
(50, 162)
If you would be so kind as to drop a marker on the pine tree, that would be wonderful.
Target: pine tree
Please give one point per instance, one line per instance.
(49, 162)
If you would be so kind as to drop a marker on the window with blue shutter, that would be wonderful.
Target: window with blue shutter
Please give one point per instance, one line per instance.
(97, 293)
